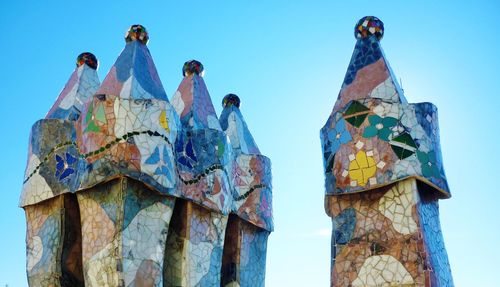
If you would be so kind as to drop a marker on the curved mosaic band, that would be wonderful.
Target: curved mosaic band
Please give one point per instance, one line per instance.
(51, 170)
(128, 137)
(98, 157)
(201, 158)
(372, 143)
(251, 180)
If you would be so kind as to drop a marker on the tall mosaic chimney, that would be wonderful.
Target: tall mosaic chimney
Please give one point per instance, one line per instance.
(123, 188)
(53, 228)
(383, 177)
(244, 258)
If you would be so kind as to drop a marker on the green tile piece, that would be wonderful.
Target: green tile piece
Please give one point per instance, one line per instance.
(403, 145)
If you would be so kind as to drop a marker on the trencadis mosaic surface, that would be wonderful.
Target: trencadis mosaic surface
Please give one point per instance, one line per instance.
(123, 188)
(383, 177)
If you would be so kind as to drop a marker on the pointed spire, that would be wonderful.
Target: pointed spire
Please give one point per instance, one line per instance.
(373, 136)
(82, 84)
(53, 159)
(233, 123)
(369, 74)
(134, 75)
(129, 127)
(192, 100)
(202, 148)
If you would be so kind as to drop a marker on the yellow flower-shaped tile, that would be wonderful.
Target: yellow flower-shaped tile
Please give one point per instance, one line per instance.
(362, 168)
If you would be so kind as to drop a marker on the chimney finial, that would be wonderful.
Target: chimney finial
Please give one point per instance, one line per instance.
(137, 32)
(87, 58)
(369, 26)
(231, 100)
(192, 67)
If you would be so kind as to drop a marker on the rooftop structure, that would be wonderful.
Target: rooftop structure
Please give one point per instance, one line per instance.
(383, 177)
(123, 188)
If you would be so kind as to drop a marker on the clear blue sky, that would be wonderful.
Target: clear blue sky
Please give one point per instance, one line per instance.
(286, 62)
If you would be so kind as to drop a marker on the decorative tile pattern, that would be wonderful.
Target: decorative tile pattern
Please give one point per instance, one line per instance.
(202, 148)
(380, 270)
(124, 231)
(369, 26)
(370, 237)
(53, 156)
(383, 177)
(193, 104)
(43, 239)
(81, 86)
(194, 247)
(52, 168)
(125, 138)
(53, 237)
(233, 123)
(100, 188)
(371, 109)
(192, 67)
(87, 58)
(53, 256)
(244, 258)
(428, 211)
(250, 171)
(397, 206)
(251, 177)
(137, 33)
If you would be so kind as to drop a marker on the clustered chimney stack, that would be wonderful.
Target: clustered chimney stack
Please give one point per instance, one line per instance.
(123, 188)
